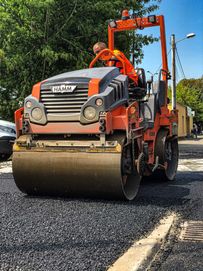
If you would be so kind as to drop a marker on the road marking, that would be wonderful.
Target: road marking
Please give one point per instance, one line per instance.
(195, 165)
(6, 170)
(144, 250)
(191, 161)
(6, 167)
(184, 168)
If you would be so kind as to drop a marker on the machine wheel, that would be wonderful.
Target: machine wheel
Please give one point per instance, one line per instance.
(171, 158)
(167, 150)
(130, 176)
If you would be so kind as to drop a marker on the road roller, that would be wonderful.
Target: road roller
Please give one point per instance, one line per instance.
(96, 132)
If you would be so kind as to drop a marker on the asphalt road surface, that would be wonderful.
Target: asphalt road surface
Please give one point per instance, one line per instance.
(81, 234)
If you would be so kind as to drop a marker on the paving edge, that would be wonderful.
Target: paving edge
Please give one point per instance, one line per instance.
(143, 251)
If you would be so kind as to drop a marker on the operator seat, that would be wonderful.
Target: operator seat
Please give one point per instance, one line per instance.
(154, 103)
(138, 92)
(141, 78)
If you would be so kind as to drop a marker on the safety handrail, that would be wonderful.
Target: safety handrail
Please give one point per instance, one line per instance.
(112, 54)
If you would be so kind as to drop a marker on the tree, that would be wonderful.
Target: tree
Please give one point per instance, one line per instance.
(190, 93)
(41, 38)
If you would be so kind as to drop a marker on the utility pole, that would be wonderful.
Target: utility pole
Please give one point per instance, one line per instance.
(173, 67)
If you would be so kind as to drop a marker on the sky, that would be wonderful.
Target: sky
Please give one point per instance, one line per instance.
(181, 17)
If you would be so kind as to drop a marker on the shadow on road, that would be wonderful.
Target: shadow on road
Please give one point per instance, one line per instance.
(179, 189)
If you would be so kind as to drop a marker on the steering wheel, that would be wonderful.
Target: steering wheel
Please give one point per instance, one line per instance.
(106, 55)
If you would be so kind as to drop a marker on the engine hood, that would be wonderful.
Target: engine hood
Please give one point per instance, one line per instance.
(106, 74)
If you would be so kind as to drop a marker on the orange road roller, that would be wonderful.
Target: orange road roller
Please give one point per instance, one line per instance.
(96, 132)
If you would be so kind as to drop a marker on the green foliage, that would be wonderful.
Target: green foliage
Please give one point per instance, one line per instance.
(190, 93)
(41, 38)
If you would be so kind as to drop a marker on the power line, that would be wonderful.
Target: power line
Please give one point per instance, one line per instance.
(180, 64)
(177, 73)
(161, 63)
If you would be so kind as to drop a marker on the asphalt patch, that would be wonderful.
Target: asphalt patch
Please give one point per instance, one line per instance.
(59, 234)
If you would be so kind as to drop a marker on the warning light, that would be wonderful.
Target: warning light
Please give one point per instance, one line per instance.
(112, 24)
(152, 19)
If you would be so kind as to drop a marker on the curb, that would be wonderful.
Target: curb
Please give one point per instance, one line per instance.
(143, 251)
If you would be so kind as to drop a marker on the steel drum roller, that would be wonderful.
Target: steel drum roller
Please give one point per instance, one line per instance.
(71, 174)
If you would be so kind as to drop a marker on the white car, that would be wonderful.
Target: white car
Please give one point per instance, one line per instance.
(7, 137)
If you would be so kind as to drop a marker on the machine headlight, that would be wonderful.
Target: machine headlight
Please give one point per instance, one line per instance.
(28, 104)
(89, 113)
(37, 113)
(99, 102)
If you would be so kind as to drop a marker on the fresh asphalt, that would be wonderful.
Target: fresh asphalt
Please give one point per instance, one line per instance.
(83, 234)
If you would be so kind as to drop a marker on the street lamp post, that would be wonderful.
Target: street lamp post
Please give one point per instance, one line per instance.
(152, 79)
(173, 65)
(152, 74)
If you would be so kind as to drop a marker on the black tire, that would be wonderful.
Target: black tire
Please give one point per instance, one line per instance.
(166, 148)
(171, 159)
(171, 170)
(130, 176)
